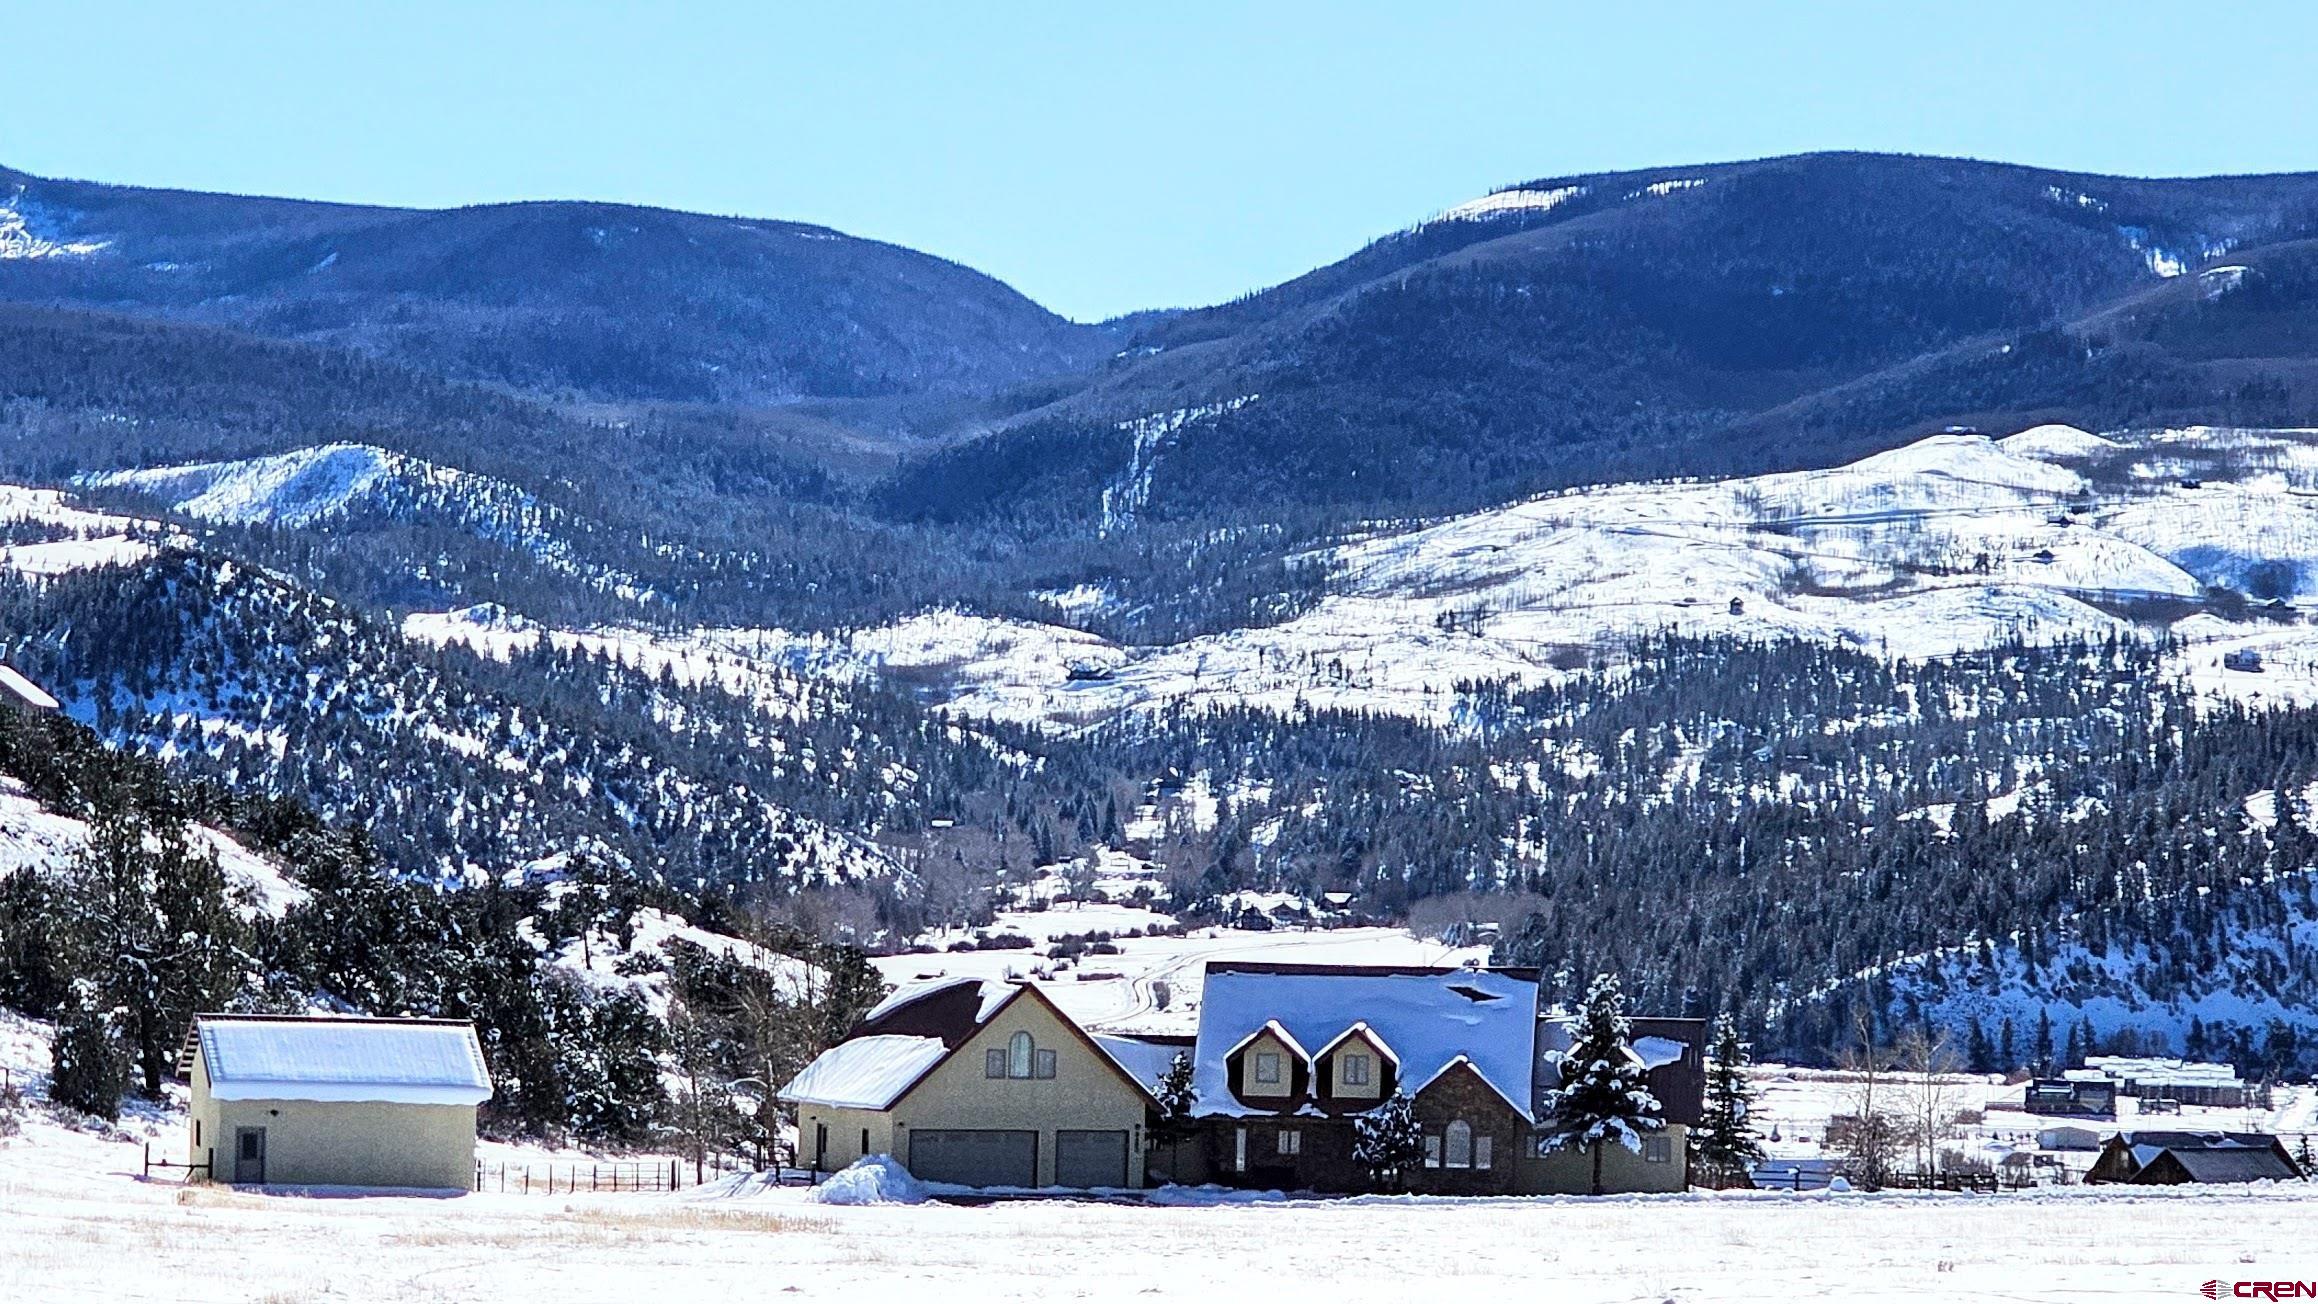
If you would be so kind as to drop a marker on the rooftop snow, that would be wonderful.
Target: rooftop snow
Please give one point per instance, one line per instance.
(407, 1062)
(864, 1073)
(1422, 1016)
(30, 693)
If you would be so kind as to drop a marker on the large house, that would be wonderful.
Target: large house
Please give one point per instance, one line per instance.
(990, 1084)
(1288, 1056)
(2188, 1081)
(979, 1084)
(2175, 1158)
(286, 1100)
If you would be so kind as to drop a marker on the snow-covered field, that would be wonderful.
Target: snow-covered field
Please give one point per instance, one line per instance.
(76, 1224)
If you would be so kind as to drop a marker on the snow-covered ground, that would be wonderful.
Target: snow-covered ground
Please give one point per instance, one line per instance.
(76, 1224)
(31, 835)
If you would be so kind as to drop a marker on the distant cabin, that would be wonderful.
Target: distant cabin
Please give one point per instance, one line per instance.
(2064, 1137)
(1738, 606)
(23, 694)
(2177, 1158)
(297, 1101)
(2081, 1098)
(2245, 659)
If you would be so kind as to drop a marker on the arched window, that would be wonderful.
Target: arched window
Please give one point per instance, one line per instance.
(1459, 1144)
(1018, 1055)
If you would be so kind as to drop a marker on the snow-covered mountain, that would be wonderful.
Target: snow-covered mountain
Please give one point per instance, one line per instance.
(1956, 542)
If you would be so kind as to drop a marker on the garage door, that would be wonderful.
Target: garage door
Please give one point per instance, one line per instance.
(974, 1158)
(1090, 1159)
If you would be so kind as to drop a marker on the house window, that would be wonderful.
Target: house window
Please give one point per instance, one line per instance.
(1459, 1144)
(1481, 1150)
(865, 1143)
(197, 1131)
(1268, 1068)
(1239, 1150)
(1657, 1150)
(1019, 1055)
(1432, 1150)
(1356, 1070)
(1291, 1141)
(1045, 1064)
(994, 1063)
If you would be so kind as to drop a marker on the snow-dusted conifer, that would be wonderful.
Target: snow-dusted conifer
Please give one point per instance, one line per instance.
(1603, 1096)
(1388, 1142)
(1726, 1146)
(1177, 1097)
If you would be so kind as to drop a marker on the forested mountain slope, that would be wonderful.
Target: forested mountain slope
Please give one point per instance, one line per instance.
(601, 300)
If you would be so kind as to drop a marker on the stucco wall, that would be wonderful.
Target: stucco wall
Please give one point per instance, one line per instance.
(1087, 1092)
(1267, 1044)
(1338, 1088)
(336, 1143)
(845, 1130)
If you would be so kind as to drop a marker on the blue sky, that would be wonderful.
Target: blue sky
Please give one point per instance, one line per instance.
(1104, 157)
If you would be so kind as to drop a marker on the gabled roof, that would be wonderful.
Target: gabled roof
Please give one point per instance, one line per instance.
(2241, 1165)
(1361, 1030)
(888, 1072)
(1463, 1062)
(1279, 1034)
(394, 1061)
(1429, 1017)
(866, 1072)
(24, 690)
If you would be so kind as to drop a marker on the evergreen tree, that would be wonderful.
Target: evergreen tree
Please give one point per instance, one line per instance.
(1603, 1096)
(1177, 1098)
(1725, 1146)
(1388, 1143)
(89, 1068)
(2072, 1055)
(2042, 1053)
(2007, 1054)
(1977, 1051)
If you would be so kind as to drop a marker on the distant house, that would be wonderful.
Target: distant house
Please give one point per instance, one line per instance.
(1288, 1056)
(2243, 659)
(2187, 1082)
(979, 1083)
(24, 695)
(2174, 1158)
(2085, 1098)
(2064, 1137)
(285, 1100)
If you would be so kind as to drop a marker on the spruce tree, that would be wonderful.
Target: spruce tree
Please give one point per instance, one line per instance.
(1725, 1146)
(1603, 1096)
(2042, 1054)
(1388, 1142)
(1177, 1098)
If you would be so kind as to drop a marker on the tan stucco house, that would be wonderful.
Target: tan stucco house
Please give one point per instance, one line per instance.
(977, 1083)
(385, 1103)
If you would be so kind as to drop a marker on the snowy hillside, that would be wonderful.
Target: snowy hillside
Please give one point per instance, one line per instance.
(334, 484)
(1955, 542)
(33, 837)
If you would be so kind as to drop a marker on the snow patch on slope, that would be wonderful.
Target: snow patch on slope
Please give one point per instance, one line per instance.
(1510, 201)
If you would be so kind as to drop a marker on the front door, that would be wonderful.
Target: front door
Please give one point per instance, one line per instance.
(249, 1156)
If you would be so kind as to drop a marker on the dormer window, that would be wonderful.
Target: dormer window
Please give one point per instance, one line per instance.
(1356, 1070)
(1268, 1068)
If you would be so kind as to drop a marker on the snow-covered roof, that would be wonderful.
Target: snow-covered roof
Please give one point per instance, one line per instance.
(1429, 1018)
(1658, 1051)
(396, 1061)
(1145, 1061)
(24, 690)
(865, 1073)
(993, 994)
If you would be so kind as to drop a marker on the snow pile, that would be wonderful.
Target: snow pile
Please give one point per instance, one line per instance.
(872, 1179)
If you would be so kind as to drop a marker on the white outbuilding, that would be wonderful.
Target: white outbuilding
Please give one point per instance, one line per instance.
(307, 1101)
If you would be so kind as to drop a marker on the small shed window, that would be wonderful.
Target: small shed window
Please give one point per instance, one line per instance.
(1459, 1144)
(1268, 1067)
(1356, 1070)
(1657, 1150)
